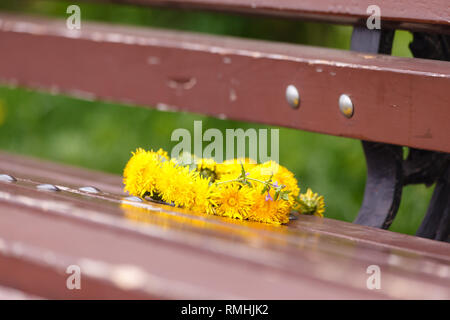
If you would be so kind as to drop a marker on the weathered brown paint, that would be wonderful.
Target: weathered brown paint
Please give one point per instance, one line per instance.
(400, 14)
(42, 171)
(177, 254)
(397, 100)
(14, 294)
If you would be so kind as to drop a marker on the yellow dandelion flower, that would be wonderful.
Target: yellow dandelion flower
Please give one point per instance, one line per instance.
(267, 210)
(311, 203)
(142, 171)
(234, 201)
(162, 154)
(185, 159)
(204, 195)
(207, 168)
(231, 169)
(206, 164)
(281, 176)
(175, 184)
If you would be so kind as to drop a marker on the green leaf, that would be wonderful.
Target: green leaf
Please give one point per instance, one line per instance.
(285, 195)
(277, 194)
(242, 171)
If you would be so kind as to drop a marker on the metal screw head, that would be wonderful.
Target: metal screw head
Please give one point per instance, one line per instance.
(133, 198)
(7, 178)
(89, 189)
(47, 187)
(346, 105)
(292, 96)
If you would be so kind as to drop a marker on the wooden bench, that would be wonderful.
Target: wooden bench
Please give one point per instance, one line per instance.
(124, 252)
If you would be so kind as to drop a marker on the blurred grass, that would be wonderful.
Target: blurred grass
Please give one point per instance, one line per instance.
(100, 135)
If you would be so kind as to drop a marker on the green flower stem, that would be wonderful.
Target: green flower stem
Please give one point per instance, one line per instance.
(241, 179)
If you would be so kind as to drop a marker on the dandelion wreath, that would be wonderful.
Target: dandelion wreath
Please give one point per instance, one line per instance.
(238, 188)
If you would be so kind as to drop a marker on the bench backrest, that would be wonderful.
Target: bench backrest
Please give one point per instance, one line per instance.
(244, 79)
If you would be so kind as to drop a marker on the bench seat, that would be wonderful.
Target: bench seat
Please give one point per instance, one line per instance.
(128, 249)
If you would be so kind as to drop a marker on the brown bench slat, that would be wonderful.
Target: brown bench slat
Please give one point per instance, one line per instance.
(232, 78)
(312, 258)
(34, 169)
(403, 14)
(31, 169)
(12, 294)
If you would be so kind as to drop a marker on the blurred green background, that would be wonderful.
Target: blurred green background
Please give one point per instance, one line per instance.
(100, 135)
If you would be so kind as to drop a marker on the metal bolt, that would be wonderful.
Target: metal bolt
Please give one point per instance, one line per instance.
(89, 189)
(292, 96)
(47, 187)
(346, 105)
(7, 178)
(135, 199)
